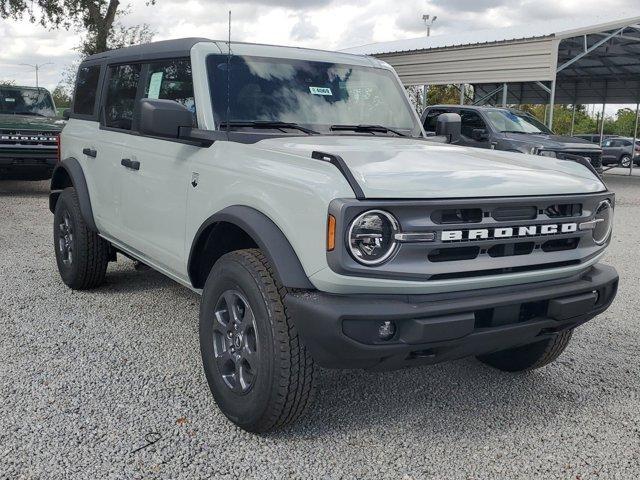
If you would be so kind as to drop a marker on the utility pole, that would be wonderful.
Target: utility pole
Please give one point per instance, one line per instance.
(428, 21)
(37, 68)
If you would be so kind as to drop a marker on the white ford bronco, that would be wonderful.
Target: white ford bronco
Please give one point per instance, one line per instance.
(296, 191)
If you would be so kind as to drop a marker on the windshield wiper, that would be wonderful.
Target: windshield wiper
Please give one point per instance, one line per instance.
(269, 125)
(29, 113)
(366, 129)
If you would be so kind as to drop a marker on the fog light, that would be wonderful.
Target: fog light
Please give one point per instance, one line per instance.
(386, 330)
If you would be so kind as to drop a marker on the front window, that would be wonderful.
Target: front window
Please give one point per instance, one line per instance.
(26, 101)
(314, 95)
(507, 121)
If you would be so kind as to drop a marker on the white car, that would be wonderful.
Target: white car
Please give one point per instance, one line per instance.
(295, 190)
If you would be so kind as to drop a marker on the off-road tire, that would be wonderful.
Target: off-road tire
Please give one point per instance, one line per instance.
(90, 254)
(529, 357)
(284, 385)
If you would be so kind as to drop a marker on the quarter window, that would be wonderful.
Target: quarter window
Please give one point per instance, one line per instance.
(86, 88)
(121, 96)
(171, 80)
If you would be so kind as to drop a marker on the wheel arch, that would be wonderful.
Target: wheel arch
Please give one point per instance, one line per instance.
(238, 227)
(69, 173)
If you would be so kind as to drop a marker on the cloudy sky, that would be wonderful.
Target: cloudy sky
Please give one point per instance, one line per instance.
(327, 24)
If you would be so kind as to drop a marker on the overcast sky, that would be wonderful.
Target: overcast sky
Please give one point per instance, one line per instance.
(327, 24)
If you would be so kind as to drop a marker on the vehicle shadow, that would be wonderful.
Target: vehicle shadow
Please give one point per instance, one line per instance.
(18, 188)
(464, 397)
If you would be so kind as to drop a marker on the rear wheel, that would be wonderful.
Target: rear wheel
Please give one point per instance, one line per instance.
(529, 357)
(259, 372)
(82, 256)
(625, 161)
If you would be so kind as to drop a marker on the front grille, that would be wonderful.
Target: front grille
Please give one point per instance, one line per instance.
(478, 237)
(31, 139)
(595, 157)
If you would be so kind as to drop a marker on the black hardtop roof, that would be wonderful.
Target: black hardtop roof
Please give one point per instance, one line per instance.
(180, 47)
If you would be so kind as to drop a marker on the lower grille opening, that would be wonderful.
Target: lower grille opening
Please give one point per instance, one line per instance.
(428, 353)
(531, 310)
(508, 214)
(499, 271)
(511, 249)
(560, 245)
(453, 254)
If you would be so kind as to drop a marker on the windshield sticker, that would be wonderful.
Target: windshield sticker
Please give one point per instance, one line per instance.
(321, 91)
(154, 85)
(10, 100)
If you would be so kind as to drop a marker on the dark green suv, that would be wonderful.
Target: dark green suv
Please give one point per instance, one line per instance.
(29, 130)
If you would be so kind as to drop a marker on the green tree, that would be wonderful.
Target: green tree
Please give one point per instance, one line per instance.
(97, 17)
(61, 97)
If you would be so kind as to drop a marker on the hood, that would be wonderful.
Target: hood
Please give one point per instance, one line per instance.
(558, 142)
(390, 167)
(30, 122)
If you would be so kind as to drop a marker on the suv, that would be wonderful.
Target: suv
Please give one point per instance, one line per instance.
(513, 131)
(29, 132)
(619, 151)
(295, 191)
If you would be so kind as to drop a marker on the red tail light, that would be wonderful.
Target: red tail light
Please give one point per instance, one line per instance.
(59, 149)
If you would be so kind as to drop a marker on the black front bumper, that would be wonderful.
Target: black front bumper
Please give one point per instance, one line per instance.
(27, 166)
(341, 331)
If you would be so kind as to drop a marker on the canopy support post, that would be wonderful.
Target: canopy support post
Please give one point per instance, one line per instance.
(604, 106)
(635, 139)
(461, 94)
(505, 94)
(573, 119)
(552, 103)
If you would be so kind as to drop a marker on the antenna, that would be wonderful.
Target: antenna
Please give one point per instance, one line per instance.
(229, 77)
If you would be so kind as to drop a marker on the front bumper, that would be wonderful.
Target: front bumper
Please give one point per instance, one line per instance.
(340, 331)
(35, 165)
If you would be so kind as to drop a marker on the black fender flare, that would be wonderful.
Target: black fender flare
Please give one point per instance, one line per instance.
(71, 168)
(269, 238)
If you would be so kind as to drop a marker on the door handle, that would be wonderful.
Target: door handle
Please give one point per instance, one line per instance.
(132, 164)
(90, 152)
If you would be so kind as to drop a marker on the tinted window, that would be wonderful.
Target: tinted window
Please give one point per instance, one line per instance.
(607, 143)
(26, 101)
(171, 80)
(313, 94)
(121, 96)
(471, 121)
(431, 120)
(86, 88)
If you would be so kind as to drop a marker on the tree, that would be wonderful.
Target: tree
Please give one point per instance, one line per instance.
(7, 83)
(97, 17)
(61, 97)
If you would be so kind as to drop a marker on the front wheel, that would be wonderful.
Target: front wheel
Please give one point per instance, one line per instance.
(529, 357)
(259, 372)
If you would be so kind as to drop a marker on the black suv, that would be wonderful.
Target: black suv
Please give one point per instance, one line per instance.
(514, 131)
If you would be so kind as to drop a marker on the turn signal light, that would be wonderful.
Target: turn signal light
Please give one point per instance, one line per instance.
(331, 233)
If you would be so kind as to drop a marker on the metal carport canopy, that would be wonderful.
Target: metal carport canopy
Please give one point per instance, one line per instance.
(584, 61)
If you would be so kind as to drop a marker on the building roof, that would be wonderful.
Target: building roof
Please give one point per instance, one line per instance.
(549, 29)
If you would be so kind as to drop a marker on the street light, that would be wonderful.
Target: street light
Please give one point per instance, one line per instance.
(428, 21)
(37, 68)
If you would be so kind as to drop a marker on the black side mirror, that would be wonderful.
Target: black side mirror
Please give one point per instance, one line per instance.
(450, 126)
(479, 135)
(66, 113)
(163, 118)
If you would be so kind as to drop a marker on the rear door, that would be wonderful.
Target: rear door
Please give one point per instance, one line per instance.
(609, 152)
(154, 197)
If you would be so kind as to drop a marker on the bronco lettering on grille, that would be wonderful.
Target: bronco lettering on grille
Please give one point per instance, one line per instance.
(507, 232)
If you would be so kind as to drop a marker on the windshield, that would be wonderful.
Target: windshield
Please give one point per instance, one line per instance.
(514, 122)
(26, 101)
(315, 95)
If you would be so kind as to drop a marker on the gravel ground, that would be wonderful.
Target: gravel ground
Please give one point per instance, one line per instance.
(84, 377)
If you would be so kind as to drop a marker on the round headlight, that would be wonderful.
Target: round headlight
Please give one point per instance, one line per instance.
(372, 237)
(604, 219)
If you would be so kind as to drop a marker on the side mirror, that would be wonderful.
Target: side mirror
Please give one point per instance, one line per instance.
(479, 135)
(66, 113)
(450, 126)
(163, 118)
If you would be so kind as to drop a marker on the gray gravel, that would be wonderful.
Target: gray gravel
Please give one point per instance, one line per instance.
(85, 376)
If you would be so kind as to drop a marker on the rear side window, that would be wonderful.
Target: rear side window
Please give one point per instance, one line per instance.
(86, 88)
(121, 96)
(171, 80)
